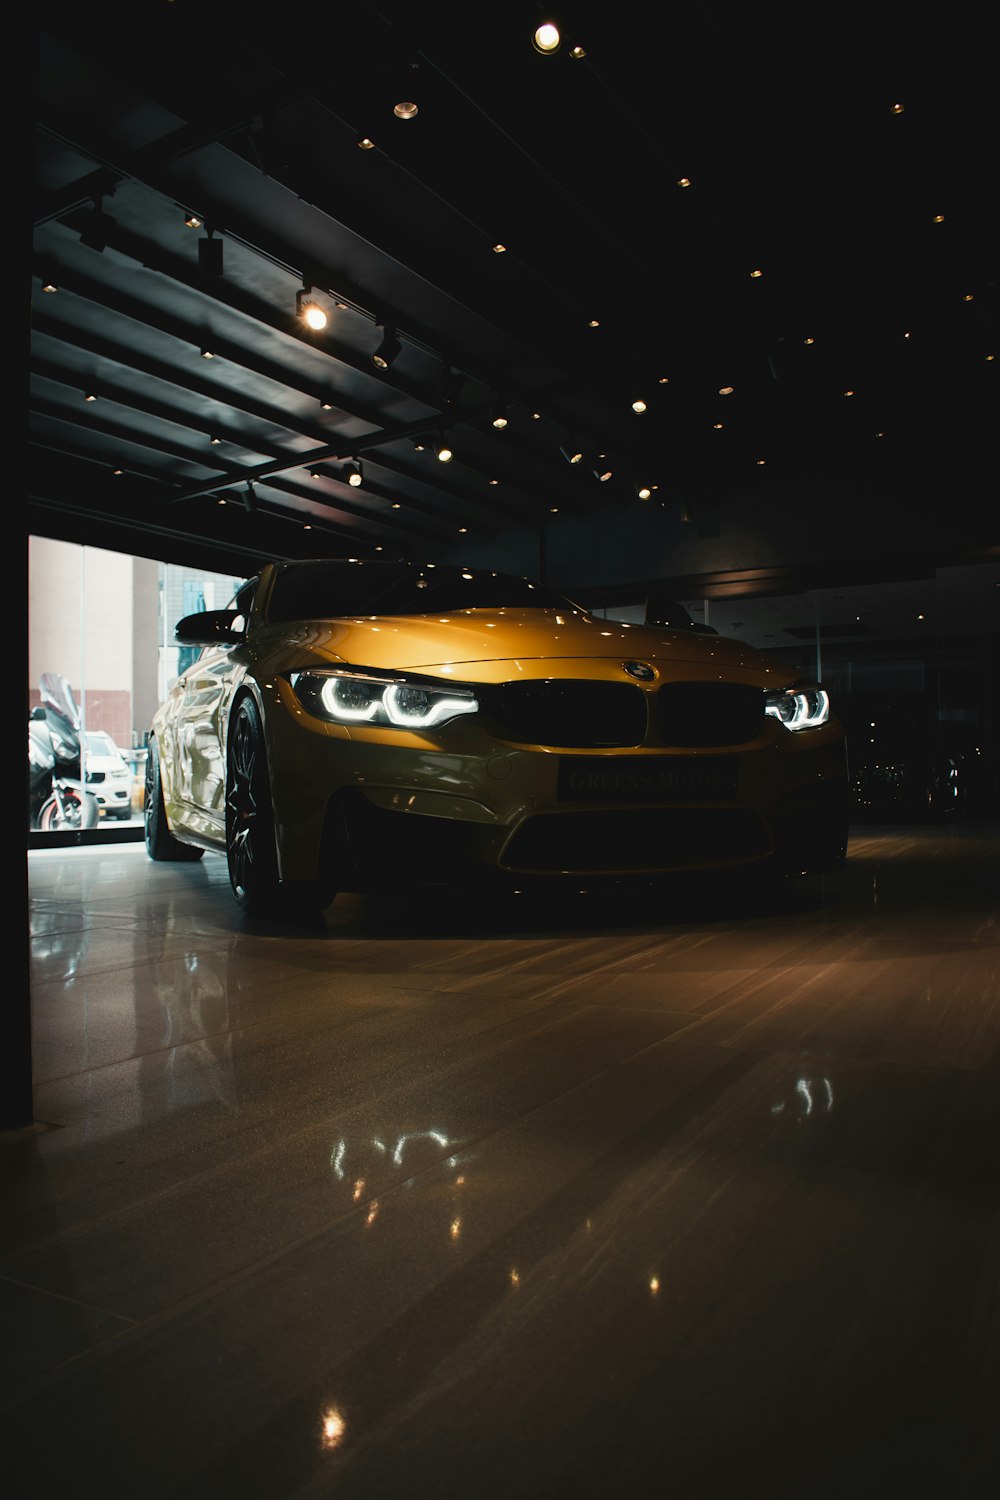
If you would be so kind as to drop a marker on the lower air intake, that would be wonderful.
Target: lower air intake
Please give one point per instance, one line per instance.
(609, 842)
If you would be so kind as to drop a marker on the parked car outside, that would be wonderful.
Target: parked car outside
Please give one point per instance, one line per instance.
(907, 765)
(107, 774)
(350, 725)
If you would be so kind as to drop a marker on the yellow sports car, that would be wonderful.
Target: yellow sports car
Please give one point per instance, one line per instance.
(349, 725)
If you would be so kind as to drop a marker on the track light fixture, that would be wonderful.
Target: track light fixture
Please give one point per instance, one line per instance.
(451, 385)
(571, 452)
(498, 416)
(602, 469)
(98, 227)
(442, 450)
(355, 478)
(308, 310)
(250, 498)
(210, 254)
(387, 350)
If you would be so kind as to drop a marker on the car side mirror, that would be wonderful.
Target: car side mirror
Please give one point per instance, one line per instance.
(210, 627)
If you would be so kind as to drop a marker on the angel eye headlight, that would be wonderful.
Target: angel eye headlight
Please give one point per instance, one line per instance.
(804, 707)
(350, 699)
(355, 698)
(418, 708)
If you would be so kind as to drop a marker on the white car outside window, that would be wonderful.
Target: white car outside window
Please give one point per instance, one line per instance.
(107, 775)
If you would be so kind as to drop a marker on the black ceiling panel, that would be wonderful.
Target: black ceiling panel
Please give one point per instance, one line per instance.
(639, 187)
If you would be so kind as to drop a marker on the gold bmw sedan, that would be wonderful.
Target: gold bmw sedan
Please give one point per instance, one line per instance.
(356, 725)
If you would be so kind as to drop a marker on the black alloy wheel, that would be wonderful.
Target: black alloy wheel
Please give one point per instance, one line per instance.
(250, 843)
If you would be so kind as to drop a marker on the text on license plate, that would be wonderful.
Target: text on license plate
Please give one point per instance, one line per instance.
(623, 778)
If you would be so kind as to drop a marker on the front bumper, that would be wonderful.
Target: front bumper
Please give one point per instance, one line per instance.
(364, 810)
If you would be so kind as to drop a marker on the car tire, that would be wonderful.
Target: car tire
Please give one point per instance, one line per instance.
(251, 851)
(160, 842)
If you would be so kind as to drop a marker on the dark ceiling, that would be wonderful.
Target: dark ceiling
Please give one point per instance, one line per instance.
(849, 160)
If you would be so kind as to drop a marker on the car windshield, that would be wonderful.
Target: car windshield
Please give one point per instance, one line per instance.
(329, 590)
(100, 744)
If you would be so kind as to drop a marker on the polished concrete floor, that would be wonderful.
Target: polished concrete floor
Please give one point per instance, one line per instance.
(687, 1193)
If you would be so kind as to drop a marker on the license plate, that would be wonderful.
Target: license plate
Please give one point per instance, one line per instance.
(621, 778)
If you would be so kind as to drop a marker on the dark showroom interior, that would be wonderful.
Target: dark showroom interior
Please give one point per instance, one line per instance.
(624, 1180)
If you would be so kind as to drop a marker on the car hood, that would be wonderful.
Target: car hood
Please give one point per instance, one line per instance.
(476, 637)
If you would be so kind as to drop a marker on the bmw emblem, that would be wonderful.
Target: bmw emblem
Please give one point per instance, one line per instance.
(640, 669)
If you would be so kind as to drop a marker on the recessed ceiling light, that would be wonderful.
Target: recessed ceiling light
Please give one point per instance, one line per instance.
(499, 249)
(546, 39)
(897, 109)
(755, 274)
(593, 323)
(405, 109)
(683, 182)
(726, 390)
(366, 144)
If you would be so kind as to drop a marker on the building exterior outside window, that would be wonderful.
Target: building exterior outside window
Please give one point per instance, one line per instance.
(105, 622)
